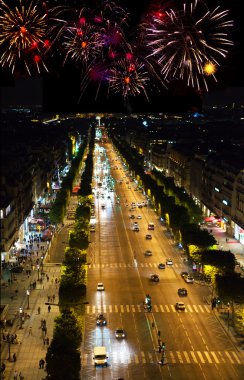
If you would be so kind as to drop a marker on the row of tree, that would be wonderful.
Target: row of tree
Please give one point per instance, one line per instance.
(182, 216)
(63, 355)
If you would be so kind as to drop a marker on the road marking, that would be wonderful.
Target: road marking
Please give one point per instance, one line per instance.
(167, 308)
(201, 357)
(115, 357)
(133, 308)
(194, 357)
(156, 308)
(173, 308)
(104, 308)
(128, 308)
(136, 359)
(208, 357)
(201, 308)
(110, 308)
(161, 308)
(150, 357)
(189, 308)
(88, 309)
(139, 308)
(93, 309)
(236, 357)
(229, 357)
(188, 360)
(207, 308)
(179, 356)
(122, 309)
(195, 308)
(171, 354)
(221, 356)
(150, 265)
(215, 357)
(143, 357)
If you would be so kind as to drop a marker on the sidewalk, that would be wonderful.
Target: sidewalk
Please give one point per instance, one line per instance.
(30, 347)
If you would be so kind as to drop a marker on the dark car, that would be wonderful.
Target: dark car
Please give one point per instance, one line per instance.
(182, 292)
(17, 269)
(101, 320)
(154, 278)
(161, 266)
(184, 274)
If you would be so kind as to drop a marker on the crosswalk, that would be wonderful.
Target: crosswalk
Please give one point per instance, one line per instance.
(172, 357)
(129, 265)
(94, 309)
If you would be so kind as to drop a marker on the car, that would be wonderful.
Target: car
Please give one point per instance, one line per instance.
(17, 269)
(101, 320)
(148, 236)
(169, 262)
(180, 306)
(182, 292)
(184, 274)
(119, 333)
(189, 279)
(100, 286)
(136, 228)
(154, 278)
(148, 253)
(139, 217)
(132, 217)
(135, 223)
(161, 266)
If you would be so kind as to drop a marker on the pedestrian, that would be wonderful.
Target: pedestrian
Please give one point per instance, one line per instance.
(14, 357)
(39, 310)
(49, 308)
(15, 375)
(40, 363)
(30, 330)
(21, 377)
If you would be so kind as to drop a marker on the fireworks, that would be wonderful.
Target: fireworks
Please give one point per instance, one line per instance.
(128, 77)
(183, 42)
(186, 44)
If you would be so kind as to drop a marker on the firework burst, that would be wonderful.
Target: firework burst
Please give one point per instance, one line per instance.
(183, 42)
(128, 77)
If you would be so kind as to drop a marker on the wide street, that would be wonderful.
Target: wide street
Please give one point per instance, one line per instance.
(196, 345)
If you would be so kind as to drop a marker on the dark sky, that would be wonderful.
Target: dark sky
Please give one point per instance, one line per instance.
(59, 90)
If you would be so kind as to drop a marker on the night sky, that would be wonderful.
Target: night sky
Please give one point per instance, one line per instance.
(59, 90)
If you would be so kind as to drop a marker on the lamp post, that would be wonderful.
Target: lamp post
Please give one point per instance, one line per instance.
(28, 298)
(38, 272)
(9, 345)
(21, 317)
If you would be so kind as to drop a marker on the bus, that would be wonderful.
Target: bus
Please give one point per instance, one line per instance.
(150, 226)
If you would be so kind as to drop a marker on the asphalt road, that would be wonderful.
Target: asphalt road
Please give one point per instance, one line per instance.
(196, 345)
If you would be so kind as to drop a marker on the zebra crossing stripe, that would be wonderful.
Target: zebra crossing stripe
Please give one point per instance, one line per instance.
(173, 308)
(156, 308)
(221, 356)
(236, 357)
(201, 308)
(187, 357)
(150, 265)
(194, 357)
(110, 308)
(171, 354)
(215, 357)
(143, 357)
(88, 309)
(104, 308)
(229, 357)
(195, 308)
(133, 308)
(206, 308)
(122, 309)
(201, 357)
(189, 308)
(136, 359)
(128, 308)
(116, 308)
(161, 308)
(167, 308)
(93, 309)
(138, 308)
(179, 357)
(208, 357)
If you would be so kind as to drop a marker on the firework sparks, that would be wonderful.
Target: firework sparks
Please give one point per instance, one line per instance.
(183, 42)
(128, 77)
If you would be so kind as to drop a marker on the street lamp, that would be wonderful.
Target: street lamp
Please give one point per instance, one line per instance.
(28, 298)
(38, 270)
(21, 317)
(9, 345)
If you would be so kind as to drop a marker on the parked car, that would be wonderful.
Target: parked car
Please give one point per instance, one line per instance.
(169, 262)
(184, 274)
(189, 279)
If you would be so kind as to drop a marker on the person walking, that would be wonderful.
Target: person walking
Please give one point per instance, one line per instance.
(49, 308)
(30, 330)
(21, 377)
(15, 375)
(14, 358)
(39, 310)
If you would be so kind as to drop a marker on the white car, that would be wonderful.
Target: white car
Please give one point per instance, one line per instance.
(169, 262)
(139, 217)
(148, 253)
(180, 306)
(189, 279)
(100, 286)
